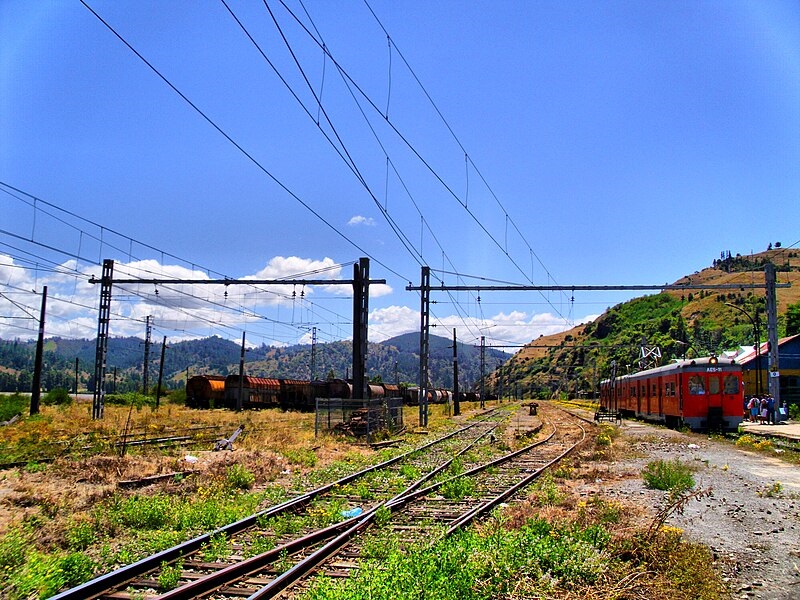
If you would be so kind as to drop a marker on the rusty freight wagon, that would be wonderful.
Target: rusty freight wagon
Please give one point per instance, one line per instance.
(205, 391)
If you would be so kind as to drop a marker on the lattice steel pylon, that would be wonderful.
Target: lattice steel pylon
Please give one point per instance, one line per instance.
(98, 401)
(649, 356)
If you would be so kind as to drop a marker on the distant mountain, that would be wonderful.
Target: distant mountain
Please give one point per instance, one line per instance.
(396, 358)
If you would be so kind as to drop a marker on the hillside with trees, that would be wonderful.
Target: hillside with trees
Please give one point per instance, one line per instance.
(679, 324)
(394, 358)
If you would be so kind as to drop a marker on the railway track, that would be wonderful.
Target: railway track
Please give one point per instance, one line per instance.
(265, 556)
(271, 535)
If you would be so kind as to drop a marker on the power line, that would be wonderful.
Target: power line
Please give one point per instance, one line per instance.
(411, 147)
(238, 146)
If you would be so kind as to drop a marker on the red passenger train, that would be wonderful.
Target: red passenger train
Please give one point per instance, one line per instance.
(702, 393)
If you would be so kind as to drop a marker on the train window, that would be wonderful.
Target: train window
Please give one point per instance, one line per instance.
(731, 384)
(713, 385)
(696, 385)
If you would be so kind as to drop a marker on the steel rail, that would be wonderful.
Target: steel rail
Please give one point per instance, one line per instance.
(113, 579)
(311, 562)
(500, 498)
(218, 579)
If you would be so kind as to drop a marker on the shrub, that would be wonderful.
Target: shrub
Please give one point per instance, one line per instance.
(131, 398)
(458, 488)
(673, 476)
(57, 397)
(240, 477)
(301, 456)
(13, 405)
(176, 397)
(80, 535)
(77, 568)
(170, 575)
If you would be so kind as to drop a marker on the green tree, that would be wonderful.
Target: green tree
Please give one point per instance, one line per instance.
(793, 319)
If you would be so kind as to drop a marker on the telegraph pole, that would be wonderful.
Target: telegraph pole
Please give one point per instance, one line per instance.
(483, 364)
(239, 400)
(101, 349)
(161, 370)
(772, 335)
(148, 330)
(360, 316)
(36, 389)
(77, 362)
(424, 345)
(456, 403)
(313, 368)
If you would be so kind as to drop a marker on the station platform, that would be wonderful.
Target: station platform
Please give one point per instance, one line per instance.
(787, 429)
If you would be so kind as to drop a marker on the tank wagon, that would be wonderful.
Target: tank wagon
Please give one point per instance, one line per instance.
(702, 393)
(205, 391)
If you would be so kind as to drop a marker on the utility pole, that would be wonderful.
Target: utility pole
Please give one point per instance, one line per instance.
(360, 317)
(772, 335)
(36, 389)
(77, 361)
(148, 330)
(456, 403)
(313, 368)
(161, 371)
(239, 399)
(424, 345)
(483, 364)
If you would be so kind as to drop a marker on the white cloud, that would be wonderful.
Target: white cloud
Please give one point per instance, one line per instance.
(270, 314)
(385, 323)
(514, 328)
(359, 220)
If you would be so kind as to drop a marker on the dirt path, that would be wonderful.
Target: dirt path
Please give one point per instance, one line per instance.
(752, 519)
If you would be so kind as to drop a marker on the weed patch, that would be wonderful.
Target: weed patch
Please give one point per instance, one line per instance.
(671, 475)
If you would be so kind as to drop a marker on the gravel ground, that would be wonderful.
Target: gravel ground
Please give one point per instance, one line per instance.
(752, 519)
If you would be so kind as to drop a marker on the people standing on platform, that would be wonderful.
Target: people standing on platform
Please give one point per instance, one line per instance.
(754, 404)
(770, 410)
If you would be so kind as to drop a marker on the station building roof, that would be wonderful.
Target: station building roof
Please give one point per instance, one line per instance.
(788, 354)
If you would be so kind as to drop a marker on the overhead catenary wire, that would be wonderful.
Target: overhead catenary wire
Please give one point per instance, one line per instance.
(37, 261)
(339, 145)
(238, 146)
(418, 255)
(413, 149)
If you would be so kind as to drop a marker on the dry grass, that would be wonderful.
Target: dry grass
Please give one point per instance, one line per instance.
(274, 447)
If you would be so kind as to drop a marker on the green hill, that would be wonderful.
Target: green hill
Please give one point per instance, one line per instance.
(696, 323)
(397, 357)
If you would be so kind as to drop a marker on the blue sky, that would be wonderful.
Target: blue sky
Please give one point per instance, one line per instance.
(585, 143)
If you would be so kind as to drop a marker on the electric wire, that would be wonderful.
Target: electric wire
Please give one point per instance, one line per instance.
(413, 149)
(238, 146)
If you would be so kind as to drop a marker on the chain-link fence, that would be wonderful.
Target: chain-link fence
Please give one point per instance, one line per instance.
(359, 417)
